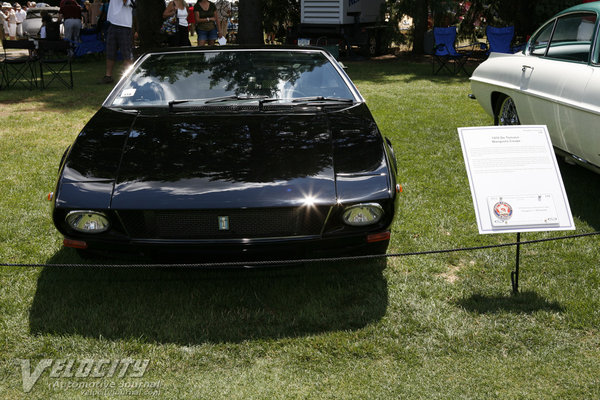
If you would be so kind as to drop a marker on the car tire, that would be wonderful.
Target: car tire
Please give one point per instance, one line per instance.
(505, 112)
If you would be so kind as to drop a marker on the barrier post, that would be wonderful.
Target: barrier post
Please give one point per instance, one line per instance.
(514, 275)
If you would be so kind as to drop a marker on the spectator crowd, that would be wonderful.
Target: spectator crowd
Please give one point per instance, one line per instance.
(113, 22)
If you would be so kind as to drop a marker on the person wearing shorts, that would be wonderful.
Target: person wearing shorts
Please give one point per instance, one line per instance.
(224, 12)
(206, 22)
(119, 35)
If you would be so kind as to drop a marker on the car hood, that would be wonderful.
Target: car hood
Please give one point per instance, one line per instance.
(220, 161)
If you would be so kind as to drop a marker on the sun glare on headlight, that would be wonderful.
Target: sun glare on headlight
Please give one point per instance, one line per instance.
(363, 214)
(87, 221)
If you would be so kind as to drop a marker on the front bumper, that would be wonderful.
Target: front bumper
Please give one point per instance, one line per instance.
(248, 250)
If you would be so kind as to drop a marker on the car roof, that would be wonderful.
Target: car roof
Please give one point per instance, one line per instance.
(40, 9)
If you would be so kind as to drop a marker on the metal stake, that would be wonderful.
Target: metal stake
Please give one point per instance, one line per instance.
(514, 275)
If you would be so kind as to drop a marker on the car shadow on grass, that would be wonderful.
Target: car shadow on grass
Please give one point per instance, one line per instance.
(583, 191)
(521, 303)
(191, 306)
(381, 71)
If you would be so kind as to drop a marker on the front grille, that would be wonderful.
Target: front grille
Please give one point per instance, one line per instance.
(242, 223)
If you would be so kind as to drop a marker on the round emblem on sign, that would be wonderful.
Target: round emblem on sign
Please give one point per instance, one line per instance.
(503, 210)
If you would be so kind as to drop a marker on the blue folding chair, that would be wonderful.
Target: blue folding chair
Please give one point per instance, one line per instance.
(90, 43)
(445, 53)
(500, 39)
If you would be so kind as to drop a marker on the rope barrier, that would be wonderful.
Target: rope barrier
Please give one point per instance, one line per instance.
(300, 261)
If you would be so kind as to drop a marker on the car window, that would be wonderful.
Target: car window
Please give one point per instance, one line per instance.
(572, 38)
(164, 77)
(540, 42)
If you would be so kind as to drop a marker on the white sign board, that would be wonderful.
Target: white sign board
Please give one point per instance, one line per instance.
(515, 181)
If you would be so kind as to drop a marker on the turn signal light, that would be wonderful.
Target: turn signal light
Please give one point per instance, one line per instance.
(378, 237)
(75, 244)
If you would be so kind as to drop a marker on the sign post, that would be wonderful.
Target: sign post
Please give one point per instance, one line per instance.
(515, 182)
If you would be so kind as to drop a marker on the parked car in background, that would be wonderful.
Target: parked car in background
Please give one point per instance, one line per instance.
(555, 81)
(33, 21)
(236, 152)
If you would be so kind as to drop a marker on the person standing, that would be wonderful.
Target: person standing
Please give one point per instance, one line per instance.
(85, 15)
(181, 37)
(191, 20)
(21, 15)
(206, 20)
(4, 21)
(94, 13)
(11, 17)
(70, 14)
(119, 35)
(224, 13)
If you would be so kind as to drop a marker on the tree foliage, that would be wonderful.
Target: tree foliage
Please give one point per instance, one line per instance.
(250, 28)
(526, 16)
(149, 19)
(277, 15)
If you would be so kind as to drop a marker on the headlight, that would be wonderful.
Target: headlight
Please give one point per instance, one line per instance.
(87, 221)
(363, 214)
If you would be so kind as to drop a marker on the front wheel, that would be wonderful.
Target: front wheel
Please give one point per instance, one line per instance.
(506, 112)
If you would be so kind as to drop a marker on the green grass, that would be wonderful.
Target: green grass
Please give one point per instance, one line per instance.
(437, 326)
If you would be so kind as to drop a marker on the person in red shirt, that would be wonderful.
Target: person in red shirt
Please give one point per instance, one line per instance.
(191, 20)
(70, 14)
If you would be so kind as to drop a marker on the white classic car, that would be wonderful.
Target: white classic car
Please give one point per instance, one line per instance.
(555, 81)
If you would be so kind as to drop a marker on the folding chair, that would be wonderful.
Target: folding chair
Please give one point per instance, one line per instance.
(90, 44)
(55, 60)
(500, 39)
(445, 54)
(18, 66)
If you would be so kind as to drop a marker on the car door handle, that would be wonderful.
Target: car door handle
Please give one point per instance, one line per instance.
(526, 67)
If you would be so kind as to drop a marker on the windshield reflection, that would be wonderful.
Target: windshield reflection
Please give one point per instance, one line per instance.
(204, 75)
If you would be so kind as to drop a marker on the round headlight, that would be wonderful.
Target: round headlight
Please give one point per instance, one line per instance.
(363, 214)
(87, 221)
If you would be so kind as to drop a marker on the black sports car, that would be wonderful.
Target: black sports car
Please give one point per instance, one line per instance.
(234, 152)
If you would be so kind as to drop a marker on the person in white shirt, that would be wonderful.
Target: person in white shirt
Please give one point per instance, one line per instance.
(21, 15)
(119, 35)
(4, 22)
(11, 18)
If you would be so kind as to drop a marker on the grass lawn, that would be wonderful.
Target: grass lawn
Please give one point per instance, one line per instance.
(437, 326)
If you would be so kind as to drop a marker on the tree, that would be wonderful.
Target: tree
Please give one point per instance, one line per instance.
(149, 19)
(278, 15)
(250, 31)
(526, 16)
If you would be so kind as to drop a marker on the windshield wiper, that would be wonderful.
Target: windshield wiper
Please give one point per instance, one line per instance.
(173, 103)
(314, 99)
(233, 97)
(213, 100)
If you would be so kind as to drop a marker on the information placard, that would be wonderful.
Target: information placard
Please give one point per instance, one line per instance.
(515, 181)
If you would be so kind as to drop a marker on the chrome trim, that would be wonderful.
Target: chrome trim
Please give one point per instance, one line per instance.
(359, 174)
(554, 19)
(226, 241)
(326, 221)
(122, 223)
(577, 160)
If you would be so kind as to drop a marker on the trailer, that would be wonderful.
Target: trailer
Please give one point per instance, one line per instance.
(345, 25)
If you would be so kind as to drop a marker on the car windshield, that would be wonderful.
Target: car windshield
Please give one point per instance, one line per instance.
(217, 77)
